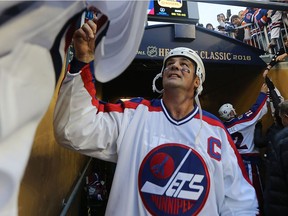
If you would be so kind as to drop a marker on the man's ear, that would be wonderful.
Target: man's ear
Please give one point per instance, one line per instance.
(196, 82)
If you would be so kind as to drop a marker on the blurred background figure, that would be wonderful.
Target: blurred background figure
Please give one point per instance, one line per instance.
(239, 32)
(209, 26)
(241, 14)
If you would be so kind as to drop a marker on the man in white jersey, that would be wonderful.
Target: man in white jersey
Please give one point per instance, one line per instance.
(172, 157)
(242, 129)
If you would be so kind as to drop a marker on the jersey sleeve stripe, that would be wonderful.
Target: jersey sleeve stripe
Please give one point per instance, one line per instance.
(255, 109)
(88, 80)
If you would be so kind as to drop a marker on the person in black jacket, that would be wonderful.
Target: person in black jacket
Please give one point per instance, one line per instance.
(276, 193)
(275, 98)
(266, 140)
(239, 31)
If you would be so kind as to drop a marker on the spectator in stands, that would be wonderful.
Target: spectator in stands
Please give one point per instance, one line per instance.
(279, 56)
(276, 192)
(200, 24)
(239, 32)
(224, 26)
(275, 27)
(209, 26)
(241, 14)
(221, 21)
(248, 15)
(247, 21)
(242, 130)
(261, 17)
(255, 16)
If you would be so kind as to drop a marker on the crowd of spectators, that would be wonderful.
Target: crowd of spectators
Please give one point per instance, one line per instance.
(262, 28)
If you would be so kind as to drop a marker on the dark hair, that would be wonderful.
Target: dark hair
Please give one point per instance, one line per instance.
(234, 17)
(209, 24)
(221, 14)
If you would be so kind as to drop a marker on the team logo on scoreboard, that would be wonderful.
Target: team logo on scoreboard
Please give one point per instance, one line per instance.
(173, 180)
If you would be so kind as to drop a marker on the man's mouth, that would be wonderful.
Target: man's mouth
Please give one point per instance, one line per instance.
(173, 75)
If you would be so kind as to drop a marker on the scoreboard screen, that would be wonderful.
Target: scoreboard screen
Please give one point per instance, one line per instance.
(174, 11)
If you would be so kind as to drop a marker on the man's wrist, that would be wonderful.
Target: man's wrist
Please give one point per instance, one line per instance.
(76, 65)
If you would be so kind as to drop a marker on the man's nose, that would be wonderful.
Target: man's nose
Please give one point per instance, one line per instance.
(175, 65)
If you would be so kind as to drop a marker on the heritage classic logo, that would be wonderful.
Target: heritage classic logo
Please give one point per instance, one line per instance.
(173, 180)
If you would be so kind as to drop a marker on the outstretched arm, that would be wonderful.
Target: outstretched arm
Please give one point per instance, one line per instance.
(281, 57)
(81, 121)
(259, 108)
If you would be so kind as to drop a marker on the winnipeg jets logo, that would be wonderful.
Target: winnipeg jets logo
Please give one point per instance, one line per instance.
(173, 180)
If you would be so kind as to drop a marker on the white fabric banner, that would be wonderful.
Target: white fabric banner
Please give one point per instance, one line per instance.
(27, 76)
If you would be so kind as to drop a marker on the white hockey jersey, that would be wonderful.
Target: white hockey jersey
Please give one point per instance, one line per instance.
(242, 127)
(161, 169)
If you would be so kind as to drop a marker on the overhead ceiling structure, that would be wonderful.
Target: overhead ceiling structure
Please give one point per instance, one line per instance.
(211, 46)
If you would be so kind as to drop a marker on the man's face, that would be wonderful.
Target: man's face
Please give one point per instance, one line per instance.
(179, 73)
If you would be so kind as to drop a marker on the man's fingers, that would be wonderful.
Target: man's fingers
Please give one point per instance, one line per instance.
(89, 28)
(93, 25)
(80, 33)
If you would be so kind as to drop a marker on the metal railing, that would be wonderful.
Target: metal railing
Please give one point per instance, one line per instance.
(67, 204)
(260, 37)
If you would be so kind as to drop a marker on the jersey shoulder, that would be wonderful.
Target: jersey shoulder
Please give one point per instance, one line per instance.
(212, 119)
